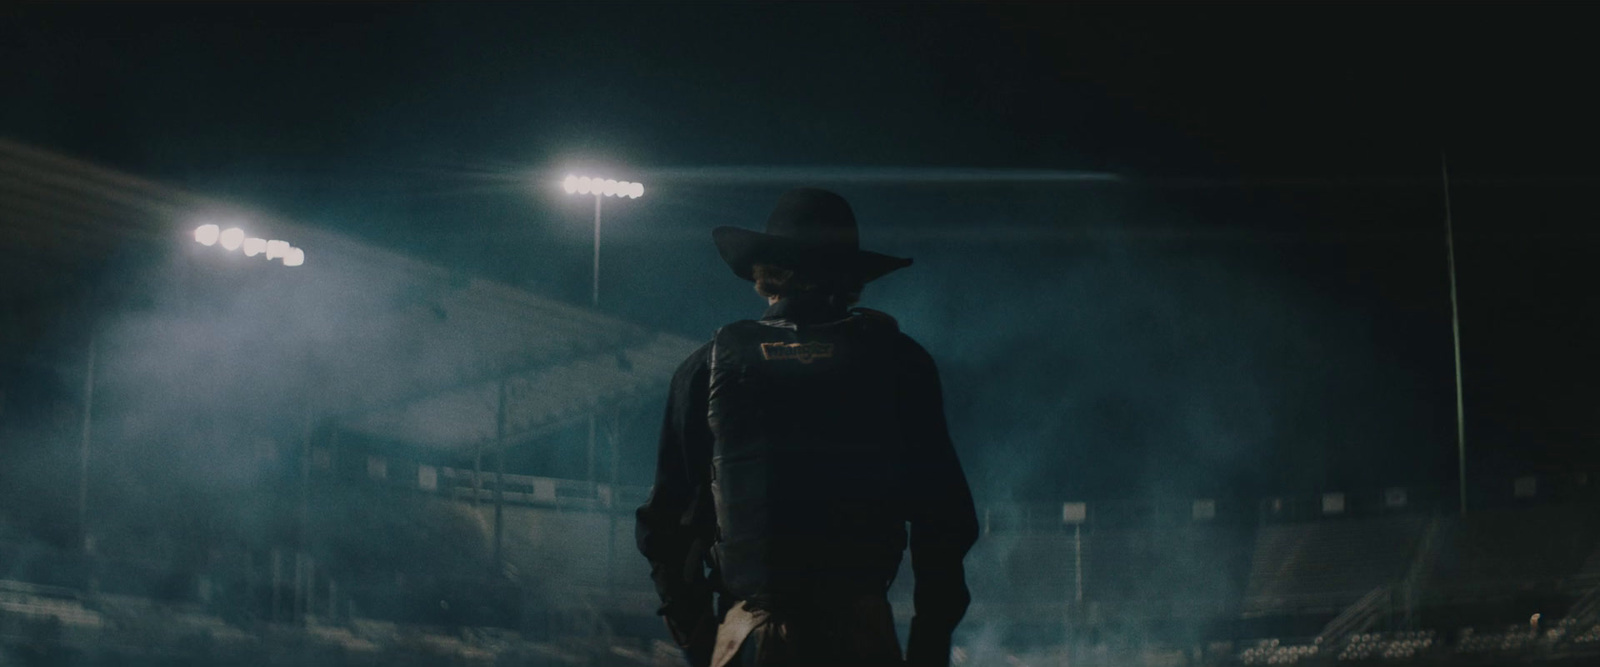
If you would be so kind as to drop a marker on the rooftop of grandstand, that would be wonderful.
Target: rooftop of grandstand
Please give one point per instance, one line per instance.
(345, 313)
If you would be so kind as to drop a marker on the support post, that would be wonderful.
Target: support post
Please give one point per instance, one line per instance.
(593, 427)
(1077, 563)
(277, 583)
(302, 583)
(499, 480)
(613, 438)
(84, 541)
(1455, 331)
(477, 475)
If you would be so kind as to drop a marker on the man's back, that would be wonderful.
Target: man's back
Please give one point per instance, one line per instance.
(795, 452)
(806, 457)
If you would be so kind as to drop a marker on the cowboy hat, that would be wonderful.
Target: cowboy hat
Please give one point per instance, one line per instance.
(811, 230)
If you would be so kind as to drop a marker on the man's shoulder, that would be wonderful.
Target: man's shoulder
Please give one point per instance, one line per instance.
(911, 352)
(876, 320)
(887, 328)
(700, 352)
(696, 360)
(912, 356)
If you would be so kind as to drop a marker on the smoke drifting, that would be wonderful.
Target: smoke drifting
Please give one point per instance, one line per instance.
(234, 461)
(1133, 359)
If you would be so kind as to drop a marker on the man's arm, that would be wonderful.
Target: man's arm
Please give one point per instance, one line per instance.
(944, 522)
(664, 531)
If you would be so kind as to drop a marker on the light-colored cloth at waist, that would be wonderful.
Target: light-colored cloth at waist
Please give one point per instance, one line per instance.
(849, 632)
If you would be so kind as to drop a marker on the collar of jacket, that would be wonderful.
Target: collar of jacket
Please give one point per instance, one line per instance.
(805, 311)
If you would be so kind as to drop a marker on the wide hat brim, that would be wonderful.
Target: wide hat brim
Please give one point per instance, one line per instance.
(743, 248)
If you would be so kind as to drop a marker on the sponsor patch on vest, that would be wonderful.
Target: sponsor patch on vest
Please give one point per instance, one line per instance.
(804, 353)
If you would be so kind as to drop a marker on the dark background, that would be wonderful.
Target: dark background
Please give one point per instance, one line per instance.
(1259, 303)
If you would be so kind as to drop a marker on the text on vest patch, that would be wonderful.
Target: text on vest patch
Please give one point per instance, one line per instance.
(804, 353)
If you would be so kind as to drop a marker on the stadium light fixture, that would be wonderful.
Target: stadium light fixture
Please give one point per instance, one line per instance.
(207, 234)
(232, 238)
(601, 187)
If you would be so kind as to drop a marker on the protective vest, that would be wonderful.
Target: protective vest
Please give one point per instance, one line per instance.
(806, 462)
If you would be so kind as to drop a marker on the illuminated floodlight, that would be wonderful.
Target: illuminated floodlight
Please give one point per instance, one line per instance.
(254, 246)
(231, 238)
(276, 249)
(602, 187)
(207, 234)
(294, 257)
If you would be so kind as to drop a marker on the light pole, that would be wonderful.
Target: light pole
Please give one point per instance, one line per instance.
(84, 542)
(229, 240)
(1455, 332)
(600, 188)
(208, 234)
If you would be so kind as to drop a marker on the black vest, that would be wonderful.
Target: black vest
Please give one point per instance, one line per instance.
(806, 463)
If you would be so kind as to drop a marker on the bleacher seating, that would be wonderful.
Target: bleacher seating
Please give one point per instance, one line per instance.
(563, 548)
(1275, 652)
(1034, 566)
(1513, 548)
(1388, 645)
(1590, 636)
(1176, 571)
(27, 610)
(1328, 564)
(1241, 593)
(1507, 640)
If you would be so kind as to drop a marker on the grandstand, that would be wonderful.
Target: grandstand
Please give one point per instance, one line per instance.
(364, 439)
(1327, 566)
(1386, 584)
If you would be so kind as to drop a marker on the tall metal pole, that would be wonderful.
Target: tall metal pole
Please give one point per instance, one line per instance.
(596, 301)
(477, 475)
(302, 555)
(83, 448)
(614, 439)
(1077, 564)
(499, 479)
(589, 476)
(1455, 330)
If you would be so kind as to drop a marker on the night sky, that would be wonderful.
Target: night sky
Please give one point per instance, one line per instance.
(1258, 303)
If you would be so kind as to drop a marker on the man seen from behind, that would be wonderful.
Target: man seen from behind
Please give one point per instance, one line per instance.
(801, 454)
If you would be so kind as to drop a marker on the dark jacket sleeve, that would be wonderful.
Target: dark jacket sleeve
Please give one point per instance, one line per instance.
(669, 524)
(942, 517)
